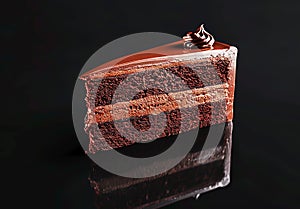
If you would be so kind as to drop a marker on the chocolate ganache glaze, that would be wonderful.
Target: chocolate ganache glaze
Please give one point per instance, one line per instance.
(200, 38)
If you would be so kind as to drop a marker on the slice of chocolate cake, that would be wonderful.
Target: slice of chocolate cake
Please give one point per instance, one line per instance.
(139, 104)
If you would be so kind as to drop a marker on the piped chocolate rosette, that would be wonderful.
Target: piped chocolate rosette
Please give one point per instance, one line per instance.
(200, 38)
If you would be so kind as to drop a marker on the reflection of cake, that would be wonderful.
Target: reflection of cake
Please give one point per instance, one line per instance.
(118, 119)
(190, 177)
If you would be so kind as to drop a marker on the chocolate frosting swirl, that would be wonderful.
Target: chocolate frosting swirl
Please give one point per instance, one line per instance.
(200, 38)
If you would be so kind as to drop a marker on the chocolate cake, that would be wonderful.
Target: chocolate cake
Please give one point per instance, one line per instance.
(139, 104)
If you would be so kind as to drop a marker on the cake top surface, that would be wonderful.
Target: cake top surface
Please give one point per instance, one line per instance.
(171, 49)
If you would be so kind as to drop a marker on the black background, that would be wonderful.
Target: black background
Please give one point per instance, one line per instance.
(47, 42)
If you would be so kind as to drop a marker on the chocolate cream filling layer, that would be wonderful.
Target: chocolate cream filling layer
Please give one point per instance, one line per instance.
(159, 103)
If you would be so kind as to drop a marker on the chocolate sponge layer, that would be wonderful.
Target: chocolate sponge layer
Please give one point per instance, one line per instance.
(189, 73)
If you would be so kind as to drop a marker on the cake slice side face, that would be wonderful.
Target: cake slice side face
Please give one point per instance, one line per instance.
(207, 80)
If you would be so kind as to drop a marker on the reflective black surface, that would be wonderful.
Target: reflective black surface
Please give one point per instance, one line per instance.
(47, 42)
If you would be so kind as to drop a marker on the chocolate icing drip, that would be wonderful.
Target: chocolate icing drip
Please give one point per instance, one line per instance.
(200, 38)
